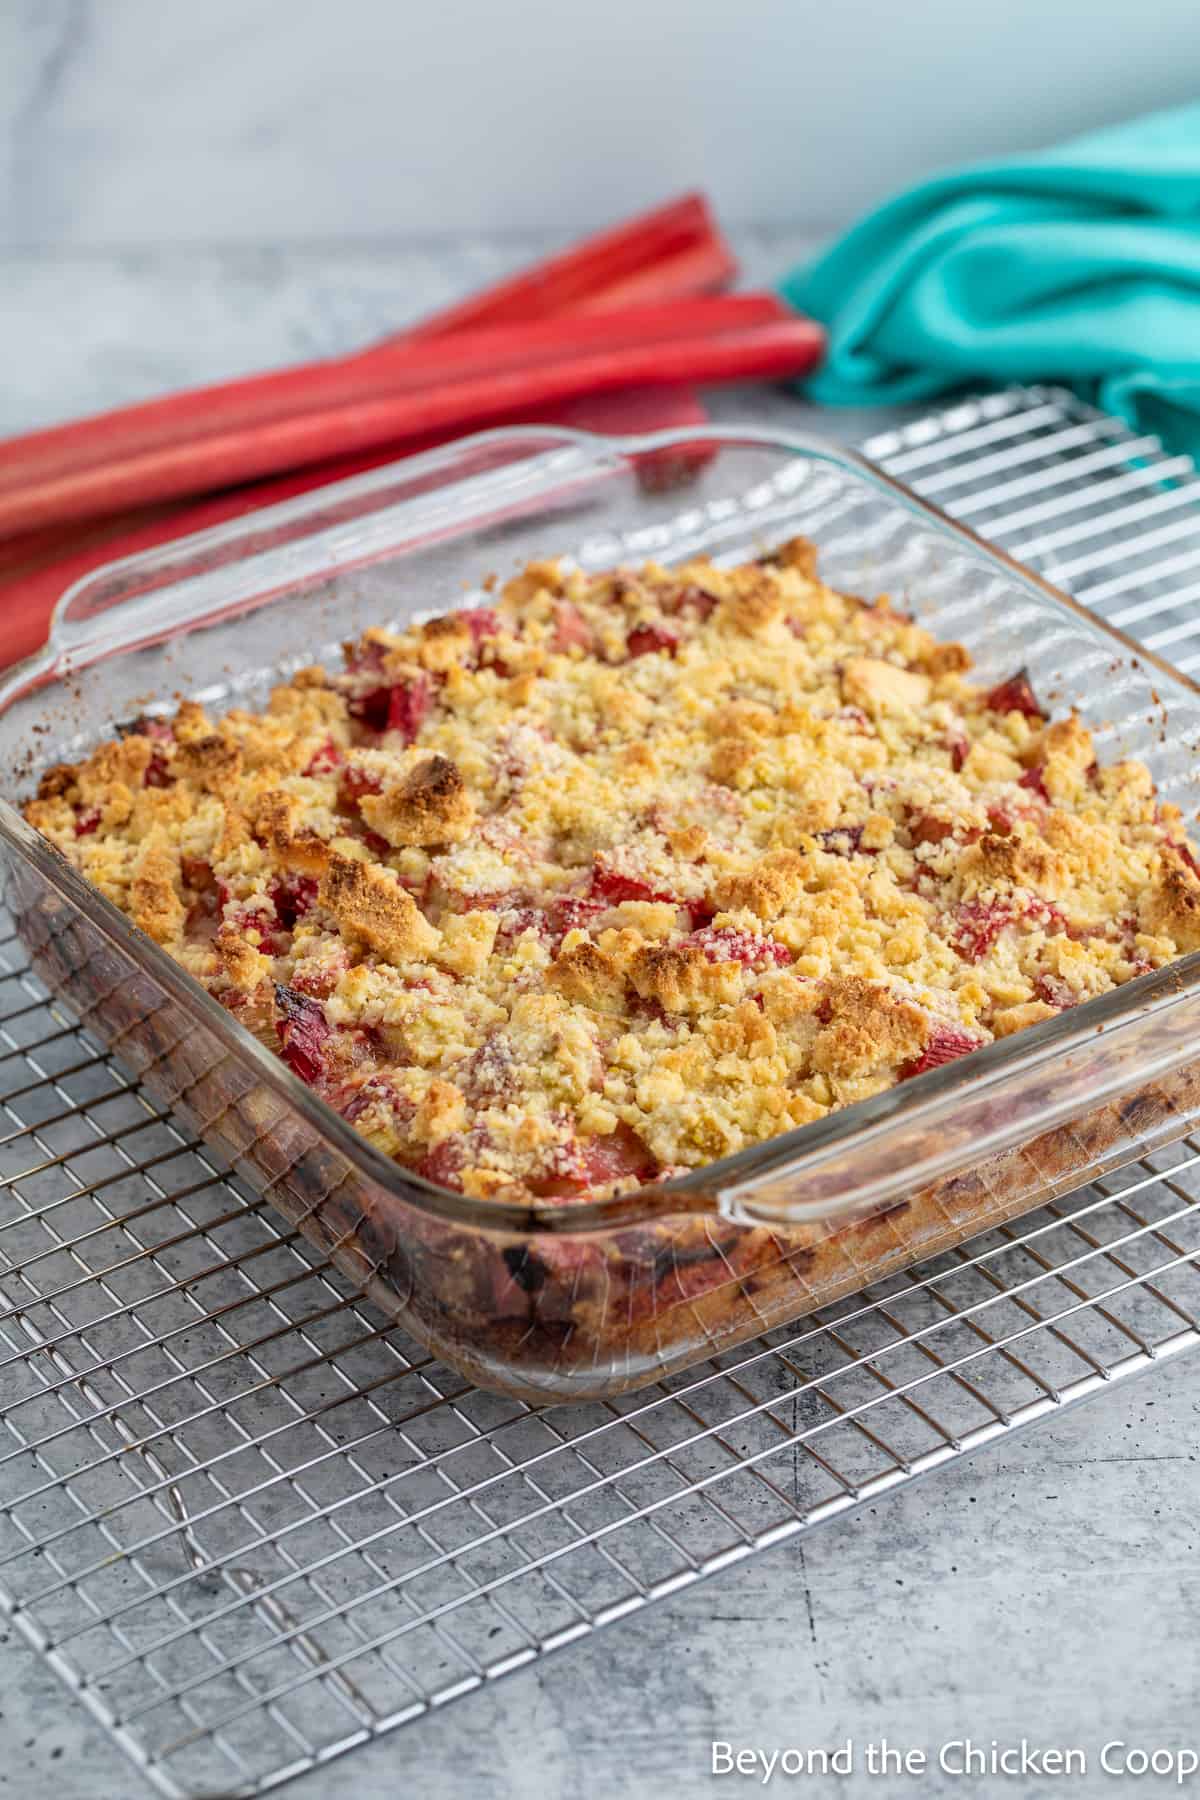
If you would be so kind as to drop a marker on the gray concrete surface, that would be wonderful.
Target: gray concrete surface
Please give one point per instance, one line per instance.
(1047, 1590)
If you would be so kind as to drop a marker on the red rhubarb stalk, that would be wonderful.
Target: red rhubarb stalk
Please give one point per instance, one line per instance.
(666, 254)
(217, 436)
(670, 253)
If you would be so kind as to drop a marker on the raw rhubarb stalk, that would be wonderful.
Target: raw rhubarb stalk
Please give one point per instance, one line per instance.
(669, 253)
(666, 254)
(217, 436)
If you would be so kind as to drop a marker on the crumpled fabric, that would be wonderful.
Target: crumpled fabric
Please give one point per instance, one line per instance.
(1079, 264)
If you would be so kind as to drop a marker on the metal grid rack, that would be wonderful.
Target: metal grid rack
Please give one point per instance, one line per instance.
(250, 1526)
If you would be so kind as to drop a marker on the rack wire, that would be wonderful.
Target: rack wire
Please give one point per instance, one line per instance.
(252, 1526)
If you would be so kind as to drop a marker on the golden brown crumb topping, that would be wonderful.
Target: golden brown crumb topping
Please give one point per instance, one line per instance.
(631, 870)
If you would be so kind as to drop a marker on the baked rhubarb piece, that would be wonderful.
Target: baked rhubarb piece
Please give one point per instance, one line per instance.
(620, 873)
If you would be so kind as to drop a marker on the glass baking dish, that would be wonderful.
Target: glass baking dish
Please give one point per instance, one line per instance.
(584, 1300)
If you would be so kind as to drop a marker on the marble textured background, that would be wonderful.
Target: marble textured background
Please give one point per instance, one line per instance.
(128, 122)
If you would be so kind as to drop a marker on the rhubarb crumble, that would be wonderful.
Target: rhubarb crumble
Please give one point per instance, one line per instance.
(628, 871)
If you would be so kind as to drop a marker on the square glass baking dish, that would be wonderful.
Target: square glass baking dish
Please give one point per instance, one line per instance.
(585, 1300)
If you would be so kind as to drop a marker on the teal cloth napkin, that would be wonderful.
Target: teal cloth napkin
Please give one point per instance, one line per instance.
(1078, 264)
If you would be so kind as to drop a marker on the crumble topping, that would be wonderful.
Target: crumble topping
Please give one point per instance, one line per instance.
(629, 871)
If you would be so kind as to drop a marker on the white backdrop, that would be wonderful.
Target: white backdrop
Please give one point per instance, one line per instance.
(150, 121)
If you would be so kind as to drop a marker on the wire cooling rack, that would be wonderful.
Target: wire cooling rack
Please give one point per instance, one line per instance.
(250, 1526)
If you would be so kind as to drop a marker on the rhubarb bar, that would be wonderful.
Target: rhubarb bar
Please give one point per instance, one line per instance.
(620, 873)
